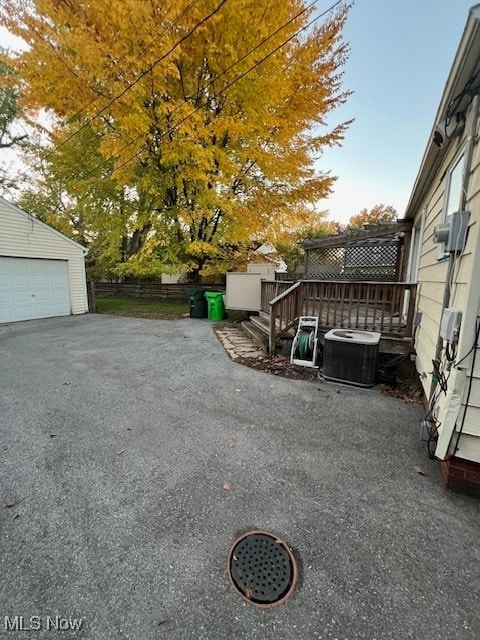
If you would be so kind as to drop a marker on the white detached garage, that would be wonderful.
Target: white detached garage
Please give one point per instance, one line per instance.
(42, 272)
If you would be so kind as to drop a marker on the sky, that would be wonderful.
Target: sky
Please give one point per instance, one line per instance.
(401, 54)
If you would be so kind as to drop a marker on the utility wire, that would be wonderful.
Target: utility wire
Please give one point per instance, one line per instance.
(213, 80)
(229, 85)
(140, 76)
(474, 346)
(157, 38)
(127, 68)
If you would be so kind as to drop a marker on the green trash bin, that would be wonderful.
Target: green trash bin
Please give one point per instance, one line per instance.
(197, 302)
(216, 305)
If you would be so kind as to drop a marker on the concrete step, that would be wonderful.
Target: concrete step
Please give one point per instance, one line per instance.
(258, 336)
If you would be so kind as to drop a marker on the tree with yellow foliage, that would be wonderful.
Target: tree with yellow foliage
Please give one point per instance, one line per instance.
(205, 117)
(378, 213)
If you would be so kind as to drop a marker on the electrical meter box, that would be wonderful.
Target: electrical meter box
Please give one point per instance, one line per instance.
(450, 326)
(453, 233)
(458, 230)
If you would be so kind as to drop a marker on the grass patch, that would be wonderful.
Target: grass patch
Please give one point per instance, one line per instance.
(139, 308)
(157, 309)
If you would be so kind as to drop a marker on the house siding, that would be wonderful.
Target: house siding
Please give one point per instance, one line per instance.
(24, 236)
(432, 277)
(469, 443)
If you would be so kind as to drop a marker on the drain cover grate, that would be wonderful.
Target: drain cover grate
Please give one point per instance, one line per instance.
(262, 569)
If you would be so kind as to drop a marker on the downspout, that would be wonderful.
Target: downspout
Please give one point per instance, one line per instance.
(470, 145)
(459, 375)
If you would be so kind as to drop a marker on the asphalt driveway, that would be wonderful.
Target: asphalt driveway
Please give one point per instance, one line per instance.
(117, 438)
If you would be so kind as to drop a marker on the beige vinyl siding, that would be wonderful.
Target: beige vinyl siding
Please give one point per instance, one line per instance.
(433, 272)
(476, 372)
(468, 448)
(469, 443)
(431, 276)
(431, 279)
(470, 438)
(23, 236)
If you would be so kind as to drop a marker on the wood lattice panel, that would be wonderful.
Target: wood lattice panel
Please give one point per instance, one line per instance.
(365, 262)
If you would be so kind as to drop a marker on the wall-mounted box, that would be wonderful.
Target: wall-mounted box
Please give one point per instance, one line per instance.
(458, 231)
(450, 326)
(453, 232)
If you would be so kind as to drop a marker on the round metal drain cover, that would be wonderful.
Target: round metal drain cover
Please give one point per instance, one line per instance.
(262, 569)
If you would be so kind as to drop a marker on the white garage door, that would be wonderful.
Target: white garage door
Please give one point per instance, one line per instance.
(31, 288)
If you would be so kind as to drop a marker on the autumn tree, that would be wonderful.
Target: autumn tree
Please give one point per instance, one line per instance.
(95, 211)
(378, 213)
(10, 135)
(288, 240)
(8, 108)
(206, 118)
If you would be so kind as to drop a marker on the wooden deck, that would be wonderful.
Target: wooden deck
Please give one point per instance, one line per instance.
(386, 307)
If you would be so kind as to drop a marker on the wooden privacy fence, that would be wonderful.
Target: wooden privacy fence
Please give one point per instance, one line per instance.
(387, 307)
(91, 296)
(148, 290)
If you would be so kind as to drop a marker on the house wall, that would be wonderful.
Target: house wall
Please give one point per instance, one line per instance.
(23, 236)
(431, 278)
(469, 443)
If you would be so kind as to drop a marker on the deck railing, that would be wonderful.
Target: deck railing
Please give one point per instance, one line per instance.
(387, 307)
(271, 289)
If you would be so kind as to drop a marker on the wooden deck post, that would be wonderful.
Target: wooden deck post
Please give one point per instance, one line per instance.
(271, 334)
(411, 310)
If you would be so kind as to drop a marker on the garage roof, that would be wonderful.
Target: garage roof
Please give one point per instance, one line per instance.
(29, 216)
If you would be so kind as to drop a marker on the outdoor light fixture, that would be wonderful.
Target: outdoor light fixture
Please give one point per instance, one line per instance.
(449, 128)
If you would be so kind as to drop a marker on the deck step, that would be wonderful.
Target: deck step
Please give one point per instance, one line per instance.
(258, 336)
(261, 324)
(264, 316)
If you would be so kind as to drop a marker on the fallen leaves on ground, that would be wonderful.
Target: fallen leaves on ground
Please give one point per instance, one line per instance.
(231, 445)
(280, 366)
(418, 469)
(119, 452)
(406, 391)
(12, 503)
(227, 486)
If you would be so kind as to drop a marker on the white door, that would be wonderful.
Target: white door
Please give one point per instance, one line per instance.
(33, 288)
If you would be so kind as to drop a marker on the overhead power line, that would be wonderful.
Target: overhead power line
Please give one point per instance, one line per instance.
(130, 65)
(242, 75)
(225, 71)
(140, 76)
(228, 86)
